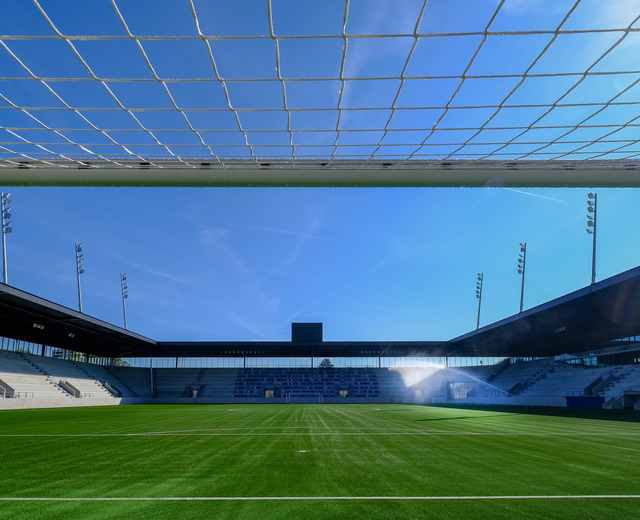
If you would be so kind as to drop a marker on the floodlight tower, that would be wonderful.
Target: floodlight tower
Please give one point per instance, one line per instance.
(125, 294)
(79, 271)
(5, 212)
(479, 285)
(522, 262)
(592, 220)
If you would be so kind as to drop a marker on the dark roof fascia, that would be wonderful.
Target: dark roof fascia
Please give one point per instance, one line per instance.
(301, 349)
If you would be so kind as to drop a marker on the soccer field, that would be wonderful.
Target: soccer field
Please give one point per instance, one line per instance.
(318, 461)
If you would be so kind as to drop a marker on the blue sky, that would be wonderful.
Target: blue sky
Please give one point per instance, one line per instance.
(371, 264)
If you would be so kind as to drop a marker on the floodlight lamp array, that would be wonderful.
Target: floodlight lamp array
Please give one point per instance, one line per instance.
(592, 208)
(123, 285)
(479, 285)
(5, 211)
(522, 258)
(79, 259)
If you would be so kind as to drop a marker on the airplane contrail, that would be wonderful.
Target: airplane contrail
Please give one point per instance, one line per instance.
(534, 195)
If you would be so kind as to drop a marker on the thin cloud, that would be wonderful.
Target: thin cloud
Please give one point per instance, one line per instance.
(215, 238)
(386, 308)
(380, 264)
(315, 303)
(283, 232)
(253, 329)
(163, 274)
(304, 309)
(534, 195)
(313, 225)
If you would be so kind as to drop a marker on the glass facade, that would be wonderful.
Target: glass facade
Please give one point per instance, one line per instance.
(622, 351)
(240, 362)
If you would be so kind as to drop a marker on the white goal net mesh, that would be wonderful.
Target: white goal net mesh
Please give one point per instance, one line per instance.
(217, 84)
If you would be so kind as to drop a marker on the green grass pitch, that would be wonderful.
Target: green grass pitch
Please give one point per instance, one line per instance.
(318, 462)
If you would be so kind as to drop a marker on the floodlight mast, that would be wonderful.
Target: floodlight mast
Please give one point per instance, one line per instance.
(5, 212)
(522, 263)
(79, 271)
(125, 294)
(592, 222)
(479, 285)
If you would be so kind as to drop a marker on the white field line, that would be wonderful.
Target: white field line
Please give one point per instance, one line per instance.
(151, 499)
(319, 434)
(284, 428)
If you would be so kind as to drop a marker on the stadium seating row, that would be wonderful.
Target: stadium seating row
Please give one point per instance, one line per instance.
(543, 382)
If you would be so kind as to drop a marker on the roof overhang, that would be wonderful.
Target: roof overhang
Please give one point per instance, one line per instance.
(577, 322)
(30, 318)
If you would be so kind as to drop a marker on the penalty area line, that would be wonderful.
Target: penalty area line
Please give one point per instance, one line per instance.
(187, 499)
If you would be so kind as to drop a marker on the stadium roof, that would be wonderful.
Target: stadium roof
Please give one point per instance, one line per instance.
(579, 321)
(29, 318)
(340, 92)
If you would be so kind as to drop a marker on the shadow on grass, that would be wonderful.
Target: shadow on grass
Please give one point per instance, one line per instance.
(576, 413)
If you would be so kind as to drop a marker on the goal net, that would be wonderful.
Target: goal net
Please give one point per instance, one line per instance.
(193, 91)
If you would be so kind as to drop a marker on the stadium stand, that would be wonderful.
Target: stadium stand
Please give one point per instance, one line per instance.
(26, 380)
(623, 391)
(518, 377)
(393, 385)
(109, 380)
(65, 371)
(307, 382)
(541, 382)
(216, 382)
(136, 380)
(564, 379)
(175, 382)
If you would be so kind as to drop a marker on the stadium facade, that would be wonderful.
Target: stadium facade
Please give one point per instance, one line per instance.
(579, 350)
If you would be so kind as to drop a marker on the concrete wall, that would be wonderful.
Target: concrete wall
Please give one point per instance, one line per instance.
(54, 402)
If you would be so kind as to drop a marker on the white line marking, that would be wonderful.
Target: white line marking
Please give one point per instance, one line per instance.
(327, 434)
(133, 499)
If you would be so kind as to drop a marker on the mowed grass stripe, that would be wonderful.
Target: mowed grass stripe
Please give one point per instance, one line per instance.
(422, 454)
(136, 419)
